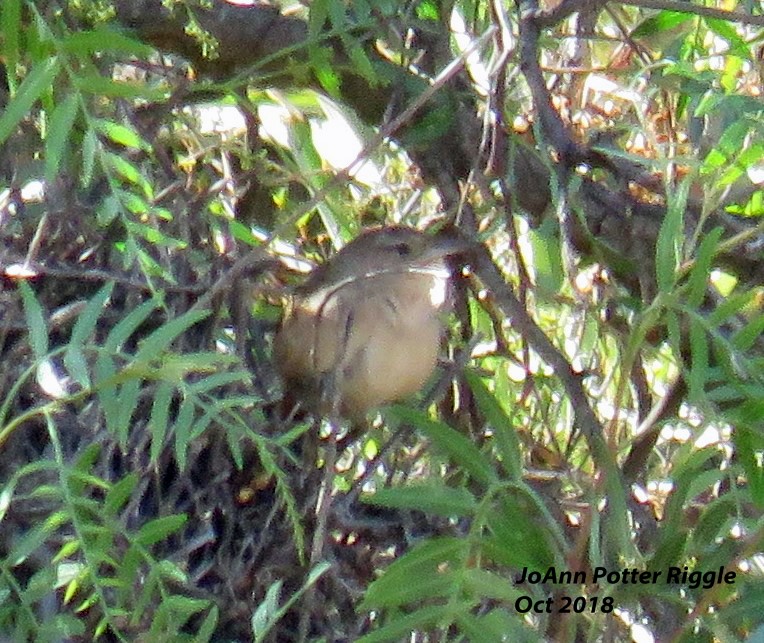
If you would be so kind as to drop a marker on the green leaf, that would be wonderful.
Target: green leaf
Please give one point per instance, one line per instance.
(104, 374)
(320, 56)
(185, 434)
(217, 380)
(497, 625)
(128, 570)
(176, 367)
(208, 626)
(10, 27)
(698, 279)
(547, 260)
(663, 21)
(89, 151)
(59, 134)
(668, 248)
(87, 320)
(266, 614)
(433, 125)
(107, 88)
(108, 210)
(126, 404)
(85, 462)
(162, 337)
(151, 234)
(269, 613)
(362, 64)
(183, 422)
(423, 572)
(158, 529)
(61, 627)
(67, 550)
(46, 492)
(122, 135)
(714, 523)
(33, 539)
(77, 366)
(104, 39)
(429, 498)
(732, 305)
(689, 480)
(183, 607)
(40, 583)
(170, 571)
(119, 494)
(746, 337)
(754, 207)
(39, 80)
(85, 326)
(726, 32)
(428, 10)
(451, 442)
(129, 324)
(523, 534)
(35, 318)
(488, 584)
(400, 627)
(749, 445)
(144, 595)
(699, 366)
(160, 414)
(129, 173)
(504, 434)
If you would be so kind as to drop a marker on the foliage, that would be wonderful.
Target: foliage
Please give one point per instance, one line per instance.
(149, 488)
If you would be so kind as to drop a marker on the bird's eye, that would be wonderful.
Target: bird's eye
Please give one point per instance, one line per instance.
(403, 249)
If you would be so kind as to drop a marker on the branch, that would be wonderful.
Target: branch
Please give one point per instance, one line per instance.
(705, 12)
(569, 7)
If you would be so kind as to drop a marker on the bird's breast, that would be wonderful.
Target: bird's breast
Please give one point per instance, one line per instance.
(375, 338)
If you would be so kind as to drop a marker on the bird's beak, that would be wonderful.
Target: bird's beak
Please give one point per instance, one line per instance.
(449, 242)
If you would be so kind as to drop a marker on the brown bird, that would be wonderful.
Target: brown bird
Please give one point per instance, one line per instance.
(365, 328)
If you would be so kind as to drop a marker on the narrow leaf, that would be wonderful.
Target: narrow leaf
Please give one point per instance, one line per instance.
(119, 493)
(10, 26)
(74, 359)
(182, 426)
(59, 134)
(159, 529)
(105, 39)
(504, 433)
(163, 336)
(699, 365)
(38, 330)
(160, 413)
(429, 498)
(698, 279)
(129, 324)
(39, 80)
(450, 442)
(89, 150)
(668, 247)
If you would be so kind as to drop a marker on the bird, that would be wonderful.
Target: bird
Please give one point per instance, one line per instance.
(365, 328)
